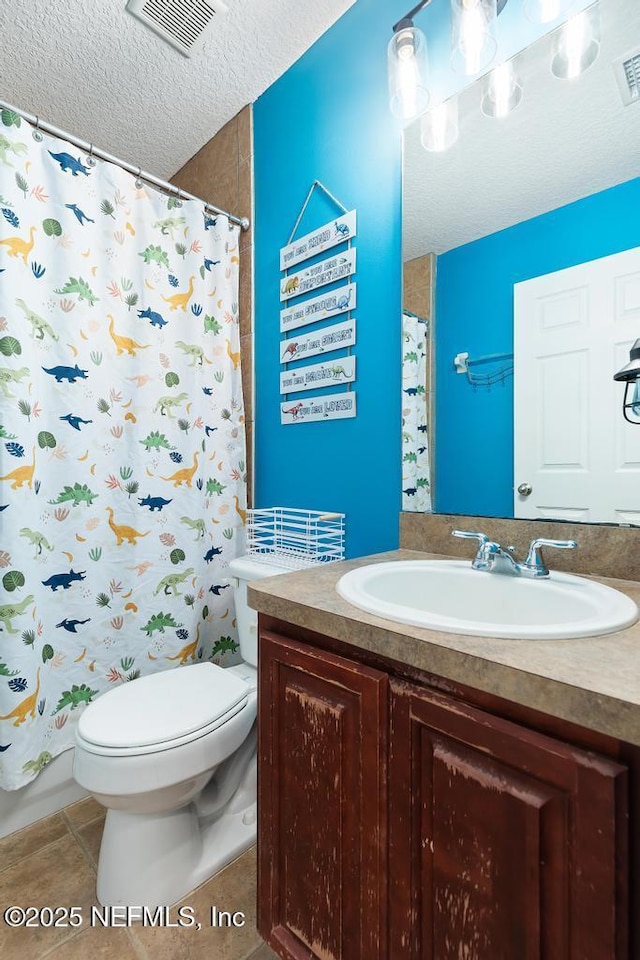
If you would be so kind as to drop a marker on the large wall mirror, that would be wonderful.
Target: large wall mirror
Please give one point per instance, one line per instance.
(521, 250)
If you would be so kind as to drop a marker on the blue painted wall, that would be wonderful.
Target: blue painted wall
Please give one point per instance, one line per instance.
(474, 310)
(327, 118)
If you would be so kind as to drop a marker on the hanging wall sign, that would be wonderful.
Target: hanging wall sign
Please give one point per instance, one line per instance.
(314, 309)
(337, 231)
(342, 370)
(338, 267)
(320, 308)
(322, 341)
(332, 406)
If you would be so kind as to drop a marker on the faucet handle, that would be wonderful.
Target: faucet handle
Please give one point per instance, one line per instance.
(535, 560)
(467, 535)
(486, 548)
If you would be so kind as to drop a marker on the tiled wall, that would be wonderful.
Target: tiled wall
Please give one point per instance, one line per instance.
(222, 174)
(417, 285)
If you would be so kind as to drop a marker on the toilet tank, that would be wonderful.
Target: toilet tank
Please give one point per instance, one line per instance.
(242, 571)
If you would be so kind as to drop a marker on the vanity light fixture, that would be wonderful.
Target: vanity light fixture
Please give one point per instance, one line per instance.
(440, 126)
(576, 44)
(630, 376)
(546, 11)
(473, 47)
(502, 91)
(473, 35)
(408, 68)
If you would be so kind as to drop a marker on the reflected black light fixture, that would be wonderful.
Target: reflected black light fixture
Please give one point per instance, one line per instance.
(630, 376)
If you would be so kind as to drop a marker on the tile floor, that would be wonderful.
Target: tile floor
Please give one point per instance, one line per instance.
(53, 863)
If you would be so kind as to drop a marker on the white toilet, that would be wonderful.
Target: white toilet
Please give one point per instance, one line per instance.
(173, 758)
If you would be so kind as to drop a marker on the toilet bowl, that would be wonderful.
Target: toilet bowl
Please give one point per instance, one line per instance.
(172, 756)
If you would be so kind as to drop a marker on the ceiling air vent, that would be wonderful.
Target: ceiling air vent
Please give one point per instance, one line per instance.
(627, 71)
(182, 23)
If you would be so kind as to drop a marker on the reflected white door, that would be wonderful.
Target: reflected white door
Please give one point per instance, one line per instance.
(572, 331)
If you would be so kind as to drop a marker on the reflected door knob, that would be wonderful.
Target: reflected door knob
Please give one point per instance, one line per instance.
(525, 489)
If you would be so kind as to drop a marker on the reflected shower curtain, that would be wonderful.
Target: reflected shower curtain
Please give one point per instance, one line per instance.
(122, 454)
(416, 467)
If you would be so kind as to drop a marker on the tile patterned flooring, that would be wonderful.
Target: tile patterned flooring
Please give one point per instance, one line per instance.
(53, 863)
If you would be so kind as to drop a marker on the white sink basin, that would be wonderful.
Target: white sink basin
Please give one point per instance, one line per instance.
(449, 595)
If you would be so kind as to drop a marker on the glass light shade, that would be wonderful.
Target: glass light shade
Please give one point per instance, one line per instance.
(473, 35)
(408, 71)
(440, 126)
(631, 402)
(576, 44)
(630, 376)
(502, 91)
(546, 11)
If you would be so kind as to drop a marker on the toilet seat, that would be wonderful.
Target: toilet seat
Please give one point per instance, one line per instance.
(162, 711)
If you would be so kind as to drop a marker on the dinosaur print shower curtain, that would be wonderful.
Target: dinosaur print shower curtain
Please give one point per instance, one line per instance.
(416, 470)
(122, 455)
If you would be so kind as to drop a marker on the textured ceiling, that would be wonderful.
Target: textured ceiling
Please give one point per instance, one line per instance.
(566, 140)
(91, 68)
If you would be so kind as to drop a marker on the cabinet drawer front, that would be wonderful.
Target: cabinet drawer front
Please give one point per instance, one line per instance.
(322, 835)
(504, 843)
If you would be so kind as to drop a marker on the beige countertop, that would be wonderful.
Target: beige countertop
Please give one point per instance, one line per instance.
(593, 681)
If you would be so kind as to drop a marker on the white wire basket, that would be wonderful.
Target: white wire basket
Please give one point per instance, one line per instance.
(295, 538)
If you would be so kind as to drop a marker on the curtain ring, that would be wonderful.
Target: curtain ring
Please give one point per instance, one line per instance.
(91, 161)
(178, 202)
(138, 181)
(37, 136)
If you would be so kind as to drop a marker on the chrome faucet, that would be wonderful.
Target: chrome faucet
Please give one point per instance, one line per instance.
(491, 557)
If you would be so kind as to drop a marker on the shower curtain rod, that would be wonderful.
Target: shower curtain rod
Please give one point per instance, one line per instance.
(129, 167)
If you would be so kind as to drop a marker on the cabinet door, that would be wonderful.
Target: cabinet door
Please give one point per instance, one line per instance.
(504, 844)
(322, 814)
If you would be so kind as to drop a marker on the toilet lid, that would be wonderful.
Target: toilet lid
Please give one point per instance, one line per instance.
(162, 707)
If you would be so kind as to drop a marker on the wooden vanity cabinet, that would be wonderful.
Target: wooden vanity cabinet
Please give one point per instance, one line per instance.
(322, 843)
(400, 822)
(505, 844)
